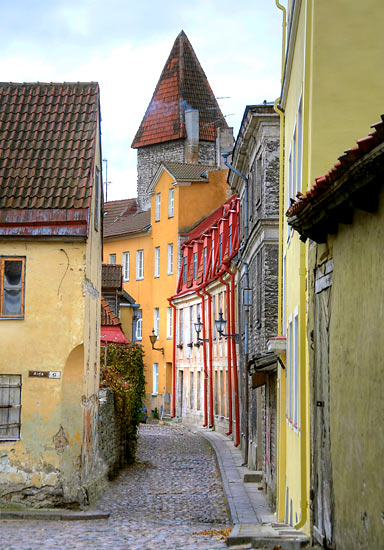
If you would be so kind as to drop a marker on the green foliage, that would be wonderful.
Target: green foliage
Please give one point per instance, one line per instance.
(123, 372)
(155, 413)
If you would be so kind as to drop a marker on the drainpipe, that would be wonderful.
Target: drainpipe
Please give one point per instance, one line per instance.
(229, 360)
(211, 419)
(231, 327)
(205, 361)
(246, 356)
(173, 413)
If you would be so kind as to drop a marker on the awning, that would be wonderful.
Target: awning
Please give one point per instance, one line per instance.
(112, 334)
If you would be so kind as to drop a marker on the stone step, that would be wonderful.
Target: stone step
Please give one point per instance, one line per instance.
(268, 536)
(254, 477)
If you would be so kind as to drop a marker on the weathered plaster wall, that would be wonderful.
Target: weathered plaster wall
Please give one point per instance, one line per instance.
(356, 380)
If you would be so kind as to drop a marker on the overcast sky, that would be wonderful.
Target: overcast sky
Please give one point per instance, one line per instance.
(124, 44)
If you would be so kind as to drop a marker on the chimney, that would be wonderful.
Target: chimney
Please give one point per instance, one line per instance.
(224, 143)
(191, 154)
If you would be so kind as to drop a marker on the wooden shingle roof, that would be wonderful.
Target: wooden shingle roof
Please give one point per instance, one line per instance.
(182, 84)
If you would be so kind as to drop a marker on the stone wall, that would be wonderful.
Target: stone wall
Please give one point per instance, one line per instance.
(111, 443)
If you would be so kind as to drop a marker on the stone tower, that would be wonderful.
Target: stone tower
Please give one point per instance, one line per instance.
(183, 121)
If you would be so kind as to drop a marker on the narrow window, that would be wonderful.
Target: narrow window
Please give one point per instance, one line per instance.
(157, 261)
(139, 325)
(155, 379)
(181, 326)
(299, 147)
(198, 390)
(139, 264)
(12, 282)
(296, 371)
(112, 259)
(125, 266)
(169, 322)
(205, 260)
(221, 249)
(191, 324)
(185, 270)
(171, 202)
(191, 390)
(294, 152)
(10, 406)
(157, 206)
(290, 373)
(213, 252)
(156, 320)
(170, 259)
(230, 240)
(194, 266)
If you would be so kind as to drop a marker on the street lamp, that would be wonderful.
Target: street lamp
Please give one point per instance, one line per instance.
(220, 324)
(198, 329)
(153, 339)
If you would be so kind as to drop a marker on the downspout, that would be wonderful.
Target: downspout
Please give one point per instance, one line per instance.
(229, 363)
(205, 361)
(231, 323)
(211, 419)
(246, 356)
(173, 413)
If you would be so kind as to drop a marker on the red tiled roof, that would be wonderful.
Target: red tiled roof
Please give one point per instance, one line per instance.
(108, 318)
(182, 84)
(208, 222)
(124, 217)
(48, 138)
(324, 184)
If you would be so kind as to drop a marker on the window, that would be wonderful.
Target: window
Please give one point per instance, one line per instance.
(299, 146)
(194, 266)
(181, 326)
(157, 261)
(191, 390)
(214, 316)
(125, 266)
(205, 260)
(170, 259)
(213, 252)
(10, 406)
(230, 240)
(157, 206)
(296, 370)
(198, 389)
(185, 270)
(112, 259)
(169, 322)
(12, 283)
(156, 321)
(221, 249)
(191, 324)
(171, 203)
(97, 199)
(155, 379)
(289, 370)
(139, 325)
(139, 264)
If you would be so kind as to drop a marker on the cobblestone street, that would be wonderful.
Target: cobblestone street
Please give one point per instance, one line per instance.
(167, 501)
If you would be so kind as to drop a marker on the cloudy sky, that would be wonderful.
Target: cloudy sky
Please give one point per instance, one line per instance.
(124, 44)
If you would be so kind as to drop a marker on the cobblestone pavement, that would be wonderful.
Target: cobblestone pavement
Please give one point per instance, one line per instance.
(166, 502)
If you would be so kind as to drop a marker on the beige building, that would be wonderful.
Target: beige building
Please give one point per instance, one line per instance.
(50, 259)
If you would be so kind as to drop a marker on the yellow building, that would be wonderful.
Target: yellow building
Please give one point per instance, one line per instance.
(50, 264)
(146, 244)
(331, 91)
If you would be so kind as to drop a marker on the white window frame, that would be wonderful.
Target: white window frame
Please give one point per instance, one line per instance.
(296, 370)
(171, 203)
(156, 318)
(139, 265)
(284, 293)
(125, 266)
(155, 378)
(194, 266)
(139, 325)
(157, 206)
(289, 366)
(112, 259)
(170, 259)
(169, 323)
(157, 262)
(299, 169)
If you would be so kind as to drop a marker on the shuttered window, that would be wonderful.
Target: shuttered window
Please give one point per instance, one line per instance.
(12, 281)
(10, 406)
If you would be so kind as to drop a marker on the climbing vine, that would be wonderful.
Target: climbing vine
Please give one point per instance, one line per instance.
(122, 370)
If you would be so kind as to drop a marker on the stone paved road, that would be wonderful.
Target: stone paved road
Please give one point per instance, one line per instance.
(165, 502)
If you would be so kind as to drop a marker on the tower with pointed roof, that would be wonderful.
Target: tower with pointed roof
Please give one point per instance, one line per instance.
(183, 121)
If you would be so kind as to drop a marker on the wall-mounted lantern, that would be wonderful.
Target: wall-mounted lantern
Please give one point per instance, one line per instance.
(220, 324)
(198, 329)
(153, 339)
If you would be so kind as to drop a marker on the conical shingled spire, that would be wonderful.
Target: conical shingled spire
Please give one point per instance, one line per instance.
(182, 85)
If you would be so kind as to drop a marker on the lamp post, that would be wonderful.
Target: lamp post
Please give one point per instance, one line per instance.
(153, 339)
(220, 324)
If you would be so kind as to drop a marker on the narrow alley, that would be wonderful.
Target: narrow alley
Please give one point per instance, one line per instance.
(167, 501)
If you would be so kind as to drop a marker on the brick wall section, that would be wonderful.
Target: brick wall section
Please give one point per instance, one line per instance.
(111, 445)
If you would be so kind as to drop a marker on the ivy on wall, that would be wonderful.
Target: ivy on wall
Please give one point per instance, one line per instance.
(122, 370)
